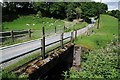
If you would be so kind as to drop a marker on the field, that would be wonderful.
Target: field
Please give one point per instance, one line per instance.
(35, 24)
(100, 37)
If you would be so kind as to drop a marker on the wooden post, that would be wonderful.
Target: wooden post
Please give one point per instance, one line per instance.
(42, 49)
(71, 36)
(12, 36)
(29, 33)
(55, 29)
(61, 41)
(75, 34)
(64, 28)
(43, 42)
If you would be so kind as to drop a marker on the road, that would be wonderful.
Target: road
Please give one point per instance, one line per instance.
(22, 48)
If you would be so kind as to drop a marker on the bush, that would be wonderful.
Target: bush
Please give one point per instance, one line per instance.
(102, 63)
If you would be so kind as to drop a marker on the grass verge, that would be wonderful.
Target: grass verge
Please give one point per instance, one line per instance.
(100, 37)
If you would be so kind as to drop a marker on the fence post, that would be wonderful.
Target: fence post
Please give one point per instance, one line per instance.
(42, 48)
(29, 33)
(12, 36)
(71, 36)
(55, 29)
(64, 28)
(75, 34)
(61, 41)
(43, 42)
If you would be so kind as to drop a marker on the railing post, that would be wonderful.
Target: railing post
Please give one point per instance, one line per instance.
(61, 41)
(29, 33)
(12, 35)
(72, 37)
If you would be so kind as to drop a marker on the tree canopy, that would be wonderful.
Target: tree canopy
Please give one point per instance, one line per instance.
(61, 10)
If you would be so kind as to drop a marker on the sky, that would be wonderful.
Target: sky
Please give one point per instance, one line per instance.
(112, 4)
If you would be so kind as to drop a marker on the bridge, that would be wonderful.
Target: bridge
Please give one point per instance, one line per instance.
(39, 67)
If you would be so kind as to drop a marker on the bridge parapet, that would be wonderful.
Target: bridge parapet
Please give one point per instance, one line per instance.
(40, 68)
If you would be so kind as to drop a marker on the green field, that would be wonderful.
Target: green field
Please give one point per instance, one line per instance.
(77, 26)
(35, 24)
(21, 23)
(100, 37)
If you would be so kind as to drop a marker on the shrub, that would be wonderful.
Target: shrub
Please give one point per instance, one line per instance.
(101, 63)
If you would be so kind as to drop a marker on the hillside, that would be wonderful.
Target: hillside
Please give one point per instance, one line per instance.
(102, 61)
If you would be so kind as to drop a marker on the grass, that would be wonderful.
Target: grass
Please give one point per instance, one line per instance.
(107, 32)
(77, 26)
(36, 25)
(31, 22)
(21, 23)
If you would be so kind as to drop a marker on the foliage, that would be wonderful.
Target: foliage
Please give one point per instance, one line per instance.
(39, 14)
(114, 13)
(78, 12)
(70, 11)
(12, 76)
(61, 10)
(93, 9)
(101, 63)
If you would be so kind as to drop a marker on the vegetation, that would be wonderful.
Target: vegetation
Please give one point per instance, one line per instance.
(77, 26)
(17, 13)
(102, 61)
(61, 10)
(100, 37)
(114, 13)
(35, 24)
(32, 22)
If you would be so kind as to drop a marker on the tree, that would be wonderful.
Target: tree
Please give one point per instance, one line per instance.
(78, 12)
(70, 10)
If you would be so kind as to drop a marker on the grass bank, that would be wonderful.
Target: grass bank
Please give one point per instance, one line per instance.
(100, 37)
(102, 61)
(77, 26)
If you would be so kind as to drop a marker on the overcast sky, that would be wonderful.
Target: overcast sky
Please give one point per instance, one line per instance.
(112, 4)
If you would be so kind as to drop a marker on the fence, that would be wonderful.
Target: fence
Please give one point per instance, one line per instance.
(42, 47)
(14, 34)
